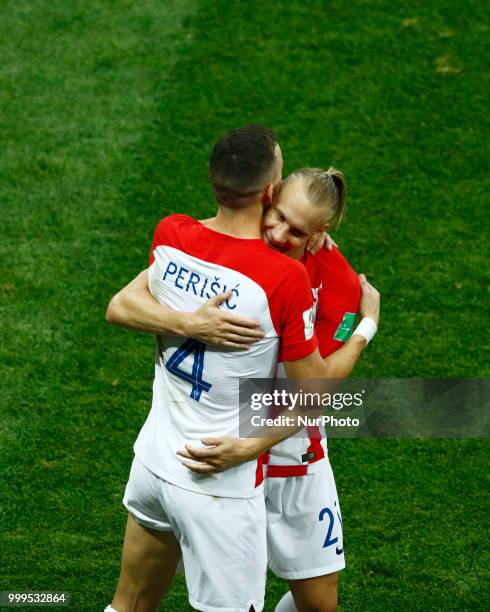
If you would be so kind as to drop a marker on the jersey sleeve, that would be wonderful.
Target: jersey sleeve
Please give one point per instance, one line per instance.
(338, 307)
(297, 332)
(325, 332)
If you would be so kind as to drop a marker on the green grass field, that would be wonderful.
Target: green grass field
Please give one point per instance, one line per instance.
(108, 112)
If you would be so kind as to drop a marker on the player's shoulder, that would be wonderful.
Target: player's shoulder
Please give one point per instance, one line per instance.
(276, 273)
(325, 257)
(286, 271)
(332, 270)
(170, 229)
(281, 260)
(175, 220)
(331, 261)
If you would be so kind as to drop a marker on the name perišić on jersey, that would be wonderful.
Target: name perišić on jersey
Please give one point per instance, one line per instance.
(202, 286)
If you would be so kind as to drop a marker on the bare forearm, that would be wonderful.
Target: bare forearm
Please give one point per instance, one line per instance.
(233, 451)
(338, 365)
(258, 446)
(135, 308)
(341, 363)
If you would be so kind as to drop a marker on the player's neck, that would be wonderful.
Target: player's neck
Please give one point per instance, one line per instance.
(243, 223)
(299, 254)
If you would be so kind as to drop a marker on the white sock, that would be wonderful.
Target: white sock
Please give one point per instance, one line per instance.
(286, 604)
(110, 609)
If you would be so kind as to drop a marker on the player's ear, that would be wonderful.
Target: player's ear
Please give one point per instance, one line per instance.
(267, 195)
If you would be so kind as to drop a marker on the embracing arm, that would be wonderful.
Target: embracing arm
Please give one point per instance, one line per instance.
(222, 453)
(135, 308)
(338, 365)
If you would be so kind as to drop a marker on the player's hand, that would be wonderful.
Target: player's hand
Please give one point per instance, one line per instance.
(212, 325)
(370, 300)
(219, 454)
(323, 241)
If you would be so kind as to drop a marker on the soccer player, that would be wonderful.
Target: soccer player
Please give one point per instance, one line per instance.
(301, 497)
(303, 514)
(218, 521)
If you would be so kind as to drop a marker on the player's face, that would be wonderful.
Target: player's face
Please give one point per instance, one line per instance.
(291, 220)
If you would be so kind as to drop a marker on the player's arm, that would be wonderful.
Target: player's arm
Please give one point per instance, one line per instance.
(223, 453)
(220, 454)
(341, 362)
(135, 308)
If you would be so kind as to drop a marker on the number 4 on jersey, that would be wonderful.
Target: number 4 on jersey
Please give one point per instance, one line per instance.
(195, 378)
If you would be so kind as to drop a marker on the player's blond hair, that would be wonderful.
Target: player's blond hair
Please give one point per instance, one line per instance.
(324, 188)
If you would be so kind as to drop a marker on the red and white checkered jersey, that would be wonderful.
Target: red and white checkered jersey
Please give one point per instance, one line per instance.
(337, 291)
(195, 391)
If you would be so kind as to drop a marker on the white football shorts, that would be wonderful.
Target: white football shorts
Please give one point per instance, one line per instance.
(223, 539)
(304, 525)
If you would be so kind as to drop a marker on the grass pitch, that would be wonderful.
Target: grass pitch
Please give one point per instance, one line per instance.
(108, 113)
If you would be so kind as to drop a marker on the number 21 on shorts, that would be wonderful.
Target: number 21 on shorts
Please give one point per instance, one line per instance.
(327, 513)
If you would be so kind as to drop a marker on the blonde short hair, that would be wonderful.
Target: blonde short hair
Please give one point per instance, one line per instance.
(324, 188)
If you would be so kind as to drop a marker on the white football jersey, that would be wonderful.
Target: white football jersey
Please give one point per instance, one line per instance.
(195, 391)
